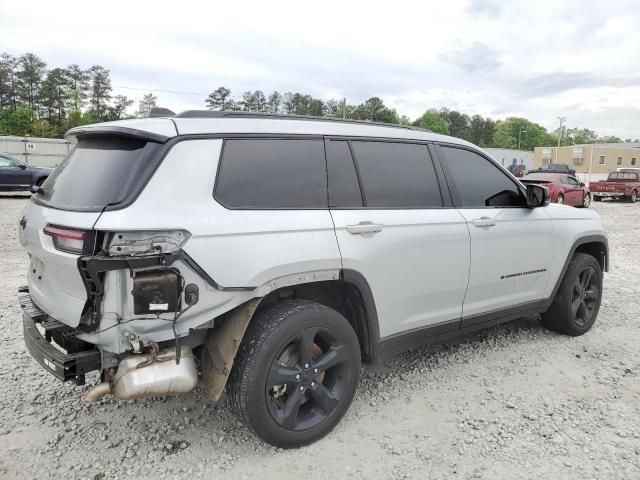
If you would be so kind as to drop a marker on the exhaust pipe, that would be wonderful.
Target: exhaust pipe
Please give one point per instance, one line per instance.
(97, 392)
(150, 375)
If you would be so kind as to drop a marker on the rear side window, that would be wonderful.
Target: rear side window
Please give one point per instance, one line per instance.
(396, 175)
(478, 182)
(272, 174)
(98, 172)
(344, 190)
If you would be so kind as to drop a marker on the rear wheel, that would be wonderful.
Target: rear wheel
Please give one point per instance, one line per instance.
(577, 302)
(296, 373)
(560, 199)
(633, 197)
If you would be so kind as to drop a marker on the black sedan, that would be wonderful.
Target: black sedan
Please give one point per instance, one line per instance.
(16, 176)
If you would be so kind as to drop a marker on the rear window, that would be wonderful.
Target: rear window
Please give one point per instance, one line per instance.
(623, 176)
(272, 174)
(98, 172)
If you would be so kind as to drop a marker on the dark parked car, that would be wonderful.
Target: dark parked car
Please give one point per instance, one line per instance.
(563, 188)
(18, 176)
(555, 168)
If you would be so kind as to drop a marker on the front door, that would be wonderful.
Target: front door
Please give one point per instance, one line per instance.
(394, 229)
(511, 245)
(575, 192)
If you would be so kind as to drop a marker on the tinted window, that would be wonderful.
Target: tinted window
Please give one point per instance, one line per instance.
(478, 182)
(272, 174)
(96, 173)
(572, 181)
(623, 176)
(8, 162)
(344, 190)
(396, 175)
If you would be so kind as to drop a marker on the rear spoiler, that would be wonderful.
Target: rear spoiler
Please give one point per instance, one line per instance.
(112, 130)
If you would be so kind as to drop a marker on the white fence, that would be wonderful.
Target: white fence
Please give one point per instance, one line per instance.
(43, 152)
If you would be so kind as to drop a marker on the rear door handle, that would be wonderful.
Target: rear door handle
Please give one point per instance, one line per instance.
(484, 222)
(364, 227)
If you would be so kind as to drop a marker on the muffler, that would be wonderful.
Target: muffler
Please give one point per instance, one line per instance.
(154, 374)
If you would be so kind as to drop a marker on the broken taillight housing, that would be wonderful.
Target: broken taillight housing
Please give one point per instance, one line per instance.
(67, 239)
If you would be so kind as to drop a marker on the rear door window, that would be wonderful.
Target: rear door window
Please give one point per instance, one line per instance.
(344, 189)
(396, 175)
(97, 173)
(272, 174)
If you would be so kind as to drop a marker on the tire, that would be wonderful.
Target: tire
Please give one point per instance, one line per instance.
(597, 198)
(560, 199)
(586, 201)
(577, 302)
(310, 398)
(633, 197)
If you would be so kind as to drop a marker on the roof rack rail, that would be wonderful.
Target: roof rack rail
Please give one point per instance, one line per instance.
(282, 116)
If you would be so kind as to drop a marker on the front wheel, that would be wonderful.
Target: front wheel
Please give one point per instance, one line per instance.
(586, 201)
(560, 199)
(633, 197)
(577, 301)
(296, 373)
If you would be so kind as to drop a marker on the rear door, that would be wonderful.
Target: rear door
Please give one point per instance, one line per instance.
(13, 174)
(511, 245)
(99, 172)
(395, 229)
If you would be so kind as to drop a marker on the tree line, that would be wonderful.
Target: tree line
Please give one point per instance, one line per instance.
(40, 101)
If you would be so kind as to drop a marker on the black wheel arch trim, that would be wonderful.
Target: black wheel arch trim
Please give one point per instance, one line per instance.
(601, 239)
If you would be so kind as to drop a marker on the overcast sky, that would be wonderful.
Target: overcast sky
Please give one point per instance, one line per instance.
(536, 59)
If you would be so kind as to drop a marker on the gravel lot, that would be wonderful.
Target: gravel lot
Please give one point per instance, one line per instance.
(512, 401)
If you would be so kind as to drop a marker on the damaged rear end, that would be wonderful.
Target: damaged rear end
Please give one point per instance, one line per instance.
(94, 295)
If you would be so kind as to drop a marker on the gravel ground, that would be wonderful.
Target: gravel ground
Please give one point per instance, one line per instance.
(515, 400)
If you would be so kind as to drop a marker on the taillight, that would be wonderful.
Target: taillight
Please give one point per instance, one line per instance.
(66, 239)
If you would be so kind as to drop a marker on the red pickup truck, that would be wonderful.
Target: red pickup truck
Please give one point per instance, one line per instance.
(625, 184)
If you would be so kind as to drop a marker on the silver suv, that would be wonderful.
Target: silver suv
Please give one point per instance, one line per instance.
(271, 255)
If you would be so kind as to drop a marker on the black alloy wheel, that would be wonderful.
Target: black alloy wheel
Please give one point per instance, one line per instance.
(586, 295)
(577, 301)
(306, 380)
(296, 372)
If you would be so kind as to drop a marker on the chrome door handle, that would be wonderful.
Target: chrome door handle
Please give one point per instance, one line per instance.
(364, 227)
(484, 222)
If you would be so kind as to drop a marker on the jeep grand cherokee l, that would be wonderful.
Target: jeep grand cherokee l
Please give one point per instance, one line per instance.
(271, 255)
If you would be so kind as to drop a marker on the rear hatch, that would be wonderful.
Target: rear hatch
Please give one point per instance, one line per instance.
(56, 228)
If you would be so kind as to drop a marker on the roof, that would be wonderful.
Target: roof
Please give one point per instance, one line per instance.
(189, 123)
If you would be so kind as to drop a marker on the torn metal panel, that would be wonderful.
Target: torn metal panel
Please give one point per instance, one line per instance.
(222, 346)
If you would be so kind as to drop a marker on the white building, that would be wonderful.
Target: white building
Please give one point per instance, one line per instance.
(507, 157)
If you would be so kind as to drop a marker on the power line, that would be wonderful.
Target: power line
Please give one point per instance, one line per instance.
(162, 91)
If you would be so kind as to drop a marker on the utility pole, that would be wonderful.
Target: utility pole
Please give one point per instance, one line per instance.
(562, 119)
(520, 132)
(344, 107)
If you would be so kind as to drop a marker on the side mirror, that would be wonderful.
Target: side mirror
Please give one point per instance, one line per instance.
(22, 166)
(582, 184)
(537, 195)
